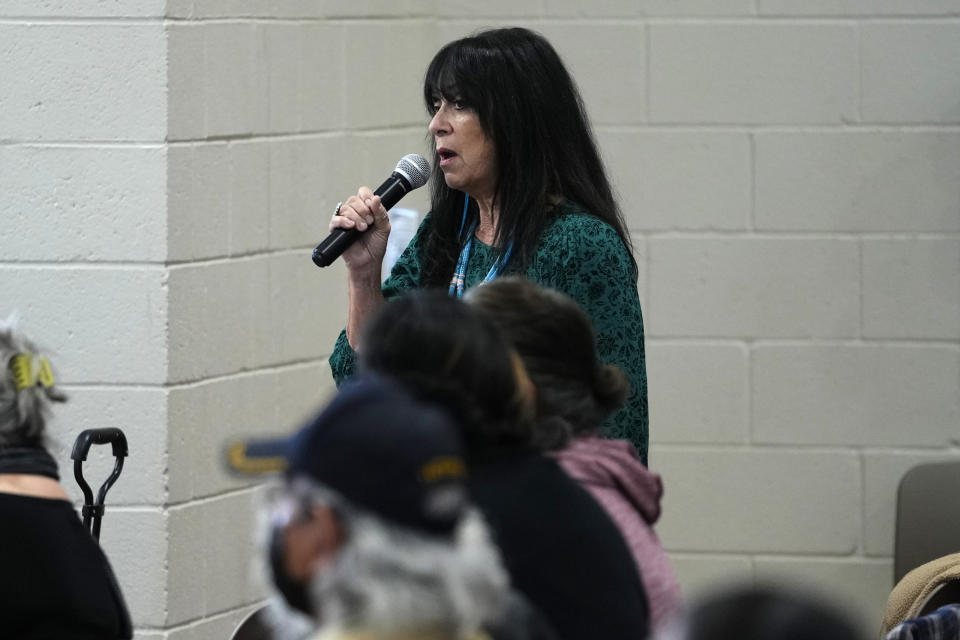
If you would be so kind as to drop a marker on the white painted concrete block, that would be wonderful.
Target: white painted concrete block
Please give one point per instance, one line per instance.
(101, 324)
(641, 8)
(83, 203)
(589, 51)
(135, 541)
(855, 181)
(83, 82)
(883, 471)
(856, 395)
(198, 212)
(82, 9)
(450, 29)
(858, 586)
(498, 9)
(229, 570)
(229, 575)
(257, 9)
(330, 288)
(698, 393)
(212, 559)
(755, 287)
(141, 414)
(282, 57)
(680, 181)
(701, 574)
(234, 75)
(328, 387)
(377, 8)
(218, 317)
(743, 501)
(186, 83)
(303, 308)
(380, 91)
(753, 73)
(911, 288)
(302, 391)
(322, 101)
(249, 196)
(865, 8)
(910, 72)
(308, 176)
(187, 555)
(180, 9)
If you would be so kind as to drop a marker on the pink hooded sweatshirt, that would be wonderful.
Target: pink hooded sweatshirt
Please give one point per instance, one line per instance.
(630, 493)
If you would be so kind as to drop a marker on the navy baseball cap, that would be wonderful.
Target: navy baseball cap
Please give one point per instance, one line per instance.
(379, 448)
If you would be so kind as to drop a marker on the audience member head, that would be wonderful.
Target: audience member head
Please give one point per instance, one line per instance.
(575, 392)
(762, 613)
(445, 351)
(372, 529)
(26, 391)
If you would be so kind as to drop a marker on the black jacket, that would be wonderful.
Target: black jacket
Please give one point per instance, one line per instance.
(56, 581)
(560, 548)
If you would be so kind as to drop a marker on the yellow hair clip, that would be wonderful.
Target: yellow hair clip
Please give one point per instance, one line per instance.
(44, 373)
(22, 370)
(24, 374)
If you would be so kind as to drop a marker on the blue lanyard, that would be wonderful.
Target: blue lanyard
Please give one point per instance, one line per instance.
(460, 272)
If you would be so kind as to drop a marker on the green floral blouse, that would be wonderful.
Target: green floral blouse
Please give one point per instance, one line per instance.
(583, 257)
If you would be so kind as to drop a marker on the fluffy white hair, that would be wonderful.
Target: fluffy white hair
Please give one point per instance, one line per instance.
(390, 578)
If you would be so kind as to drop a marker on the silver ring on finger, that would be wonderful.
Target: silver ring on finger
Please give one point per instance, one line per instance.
(336, 211)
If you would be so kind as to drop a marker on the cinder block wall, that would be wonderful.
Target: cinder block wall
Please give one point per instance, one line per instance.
(276, 110)
(789, 170)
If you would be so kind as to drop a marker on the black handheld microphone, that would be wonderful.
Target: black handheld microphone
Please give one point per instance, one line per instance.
(411, 173)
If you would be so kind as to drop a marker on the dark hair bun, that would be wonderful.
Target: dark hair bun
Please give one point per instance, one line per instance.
(610, 386)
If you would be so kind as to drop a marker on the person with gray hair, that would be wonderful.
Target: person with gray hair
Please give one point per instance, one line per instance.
(56, 582)
(372, 533)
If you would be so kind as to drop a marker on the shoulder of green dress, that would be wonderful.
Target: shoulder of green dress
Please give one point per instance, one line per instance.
(575, 231)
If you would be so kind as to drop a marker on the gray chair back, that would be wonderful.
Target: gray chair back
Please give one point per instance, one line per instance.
(928, 516)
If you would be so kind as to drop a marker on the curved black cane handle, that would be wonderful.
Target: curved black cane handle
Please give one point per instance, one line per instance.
(90, 437)
(93, 511)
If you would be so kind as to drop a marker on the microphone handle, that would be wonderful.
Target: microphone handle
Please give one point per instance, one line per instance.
(390, 192)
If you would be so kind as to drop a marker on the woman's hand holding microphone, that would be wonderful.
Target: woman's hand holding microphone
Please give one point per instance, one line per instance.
(365, 213)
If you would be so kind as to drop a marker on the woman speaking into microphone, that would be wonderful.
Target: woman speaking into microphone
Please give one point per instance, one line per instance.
(517, 187)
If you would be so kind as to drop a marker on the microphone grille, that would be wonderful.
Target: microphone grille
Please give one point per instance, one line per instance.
(415, 168)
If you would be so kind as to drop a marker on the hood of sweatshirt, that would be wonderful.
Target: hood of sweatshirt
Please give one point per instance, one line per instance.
(614, 464)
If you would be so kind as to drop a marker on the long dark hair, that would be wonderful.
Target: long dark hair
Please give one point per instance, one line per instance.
(444, 351)
(575, 391)
(529, 106)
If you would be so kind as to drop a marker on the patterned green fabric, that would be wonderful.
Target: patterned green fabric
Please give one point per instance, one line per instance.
(583, 257)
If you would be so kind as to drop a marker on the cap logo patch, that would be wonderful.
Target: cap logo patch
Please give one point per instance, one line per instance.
(444, 468)
(237, 458)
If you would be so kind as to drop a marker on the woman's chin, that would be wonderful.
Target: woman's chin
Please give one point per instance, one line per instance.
(452, 182)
